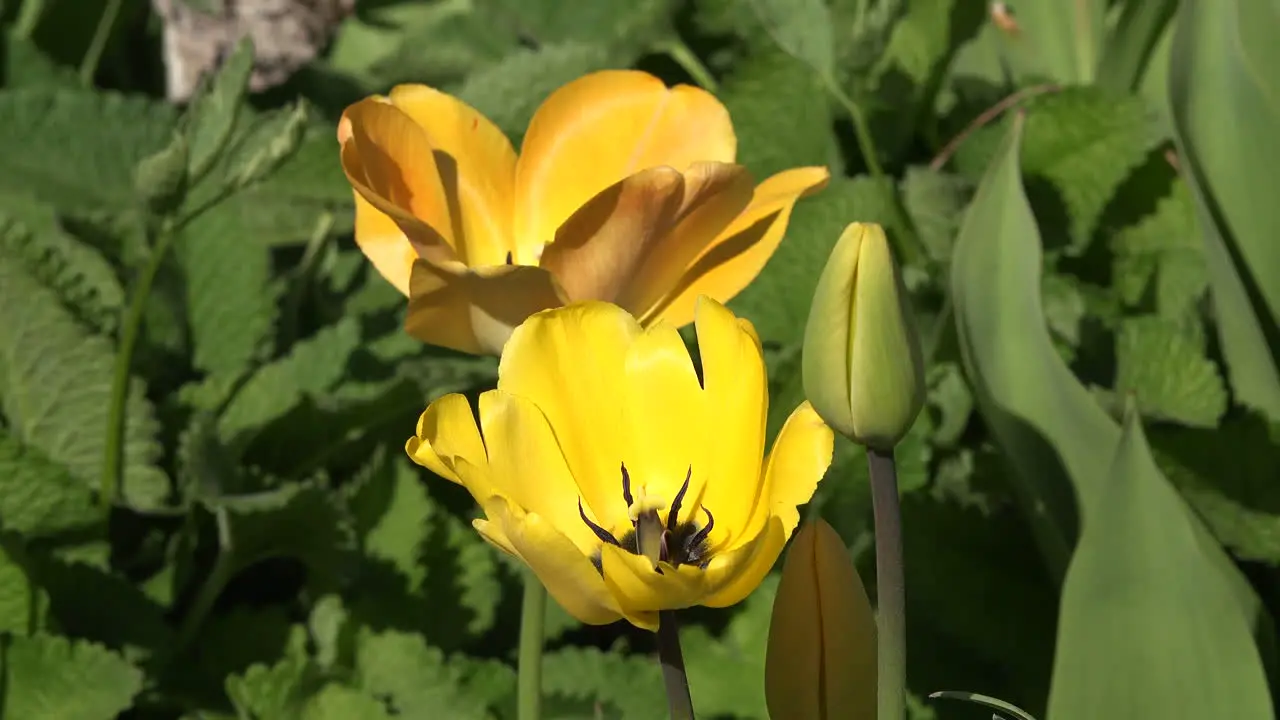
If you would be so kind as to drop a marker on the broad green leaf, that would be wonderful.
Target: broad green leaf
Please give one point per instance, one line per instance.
(1130, 42)
(1057, 41)
(22, 601)
(1057, 437)
(613, 22)
(25, 65)
(1161, 258)
(338, 702)
(46, 676)
(55, 388)
(120, 616)
(1168, 372)
(39, 497)
(935, 201)
(1222, 76)
(278, 689)
(418, 679)
(77, 149)
(579, 679)
(802, 28)
(1147, 628)
(215, 109)
(160, 179)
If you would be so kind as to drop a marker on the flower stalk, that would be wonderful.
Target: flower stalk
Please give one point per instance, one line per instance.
(890, 586)
(533, 613)
(673, 673)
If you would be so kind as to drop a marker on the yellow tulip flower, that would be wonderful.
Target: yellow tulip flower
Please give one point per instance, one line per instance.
(624, 190)
(626, 484)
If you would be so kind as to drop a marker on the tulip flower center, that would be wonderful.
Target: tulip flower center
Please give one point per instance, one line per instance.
(671, 542)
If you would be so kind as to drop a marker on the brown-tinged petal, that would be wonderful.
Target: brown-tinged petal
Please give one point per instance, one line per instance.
(603, 127)
(737, 255)
(600, 246)
(474, 310)
(477, 167)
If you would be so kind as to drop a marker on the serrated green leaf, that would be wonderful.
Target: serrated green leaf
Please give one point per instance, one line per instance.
(802, 28)
(22, 601)
(273, 141)
(337, 702)
(1084, 141)
(160, 179)
(778, 301)
(59, 679)
(415, 678)
(299, 520)
(120, 616)
(1161, 258)
(49, 150)
(214, 111)
(1168, 373)
(438, 44)
(55, 388)
(935, 201)
(952, 401)
(617, 685)
(25, 65)
(276, 690)
(1146, 627)
(728, 671)
(38, 497)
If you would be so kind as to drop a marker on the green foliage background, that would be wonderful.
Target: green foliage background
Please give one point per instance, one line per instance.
(273, 554)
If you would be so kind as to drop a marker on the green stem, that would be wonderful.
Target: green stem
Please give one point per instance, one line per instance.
(533, 613)
(861, 130)
(214, 582)
(302, 277)
(92, 56)
(890, 587)
(688, 61)
(113, 458)
(672, 660)
(29, 14)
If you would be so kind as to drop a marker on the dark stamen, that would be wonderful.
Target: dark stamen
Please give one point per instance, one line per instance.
(604, 535)
(704, 532)
(626, 486)
(674, 512)
(510, 259)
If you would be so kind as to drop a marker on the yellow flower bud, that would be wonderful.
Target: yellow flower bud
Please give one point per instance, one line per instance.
(862, 368)
(821, 661)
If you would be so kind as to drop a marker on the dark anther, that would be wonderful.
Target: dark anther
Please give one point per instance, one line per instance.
(604, 535)
(674, 512)
(701, 537)
(510, 259)
(626, 486)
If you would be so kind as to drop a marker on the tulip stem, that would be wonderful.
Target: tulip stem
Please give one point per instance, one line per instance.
(533, 613)
(890, 587)
(688, 61)
(672, 660)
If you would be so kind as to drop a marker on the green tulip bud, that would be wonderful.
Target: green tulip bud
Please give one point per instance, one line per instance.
(821, 660)
(862, 368)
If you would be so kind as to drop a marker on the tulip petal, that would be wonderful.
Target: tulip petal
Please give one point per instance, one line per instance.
(473, 310)
(666, 418)
(830, 327)
(571, 363)
(477, 169)
(603, 127)
(567, 574)
(389, 161)
(738, 254)
(384, 244)
(527, 467)
(733, 575)
(639, 587)
(714, 194)
(737, 399)
(799, 460)
(597, 250)
(446, 432)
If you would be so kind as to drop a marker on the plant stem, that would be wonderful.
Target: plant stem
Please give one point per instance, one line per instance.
(533, 613)
(676, 49)
(29, 13)
(102, 33)
(672, 660)
(861, 130)
(986, 117)
(214, 582)
(890, 587)
(113, 457)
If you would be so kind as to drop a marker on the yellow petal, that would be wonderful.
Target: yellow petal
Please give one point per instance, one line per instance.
(738, 254)
(665, 416)
(389, 161)
(733, 575)
(737, 406)
(599, 247)
(821, 660)
(446, 432)
(603, 127)
(800, 457)
(638, 587)
(571, 363)
(384, 243)
(526, 466)
(568, 575)
(477, 168)
(474, 310)
(714, 194)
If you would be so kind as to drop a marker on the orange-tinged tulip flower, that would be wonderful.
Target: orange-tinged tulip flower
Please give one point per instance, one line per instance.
(626, 484)
(821, 660)
(624, 191)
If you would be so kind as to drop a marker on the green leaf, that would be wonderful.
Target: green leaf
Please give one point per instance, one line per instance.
(55, 388)
(1168, 373)
(277, 690)
(802, 28)
(337, 702)
(46, 676)
(25, 65)
(1055, 41)
(273, 141)
(509, 91)
(22, 602)
(633, 23)
(217, 106)
(1220, 77)
(230, 307)
(935, 201)
(1083, 141)
(778, 300)
(415, 678)
(619, 685)
(78, 149)
(160, 179)
(728, 672)
(1161, 258)
(1146, 626)
(38, 497)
